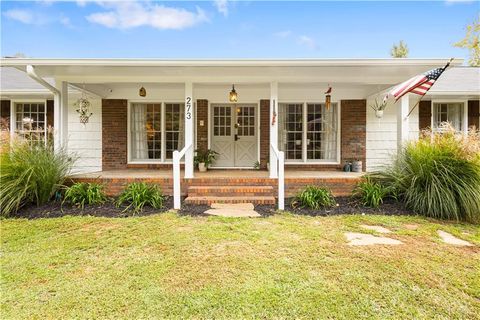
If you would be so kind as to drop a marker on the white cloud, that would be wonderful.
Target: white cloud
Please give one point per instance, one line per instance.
(222, 6)
(23, 16)
(125, 15)
(307, 41)
(458, 1)
(283, 34)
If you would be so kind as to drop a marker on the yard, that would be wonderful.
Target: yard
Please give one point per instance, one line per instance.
(283, 266)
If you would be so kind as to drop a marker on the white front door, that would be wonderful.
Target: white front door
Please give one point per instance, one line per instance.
(234, 135)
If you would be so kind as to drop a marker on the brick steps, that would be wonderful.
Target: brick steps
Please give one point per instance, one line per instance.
(230, 199)
(221, 191)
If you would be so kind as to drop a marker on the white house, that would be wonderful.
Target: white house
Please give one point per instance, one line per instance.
(280, 118)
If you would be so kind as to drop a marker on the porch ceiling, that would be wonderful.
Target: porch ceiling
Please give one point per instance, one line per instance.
(365, 71)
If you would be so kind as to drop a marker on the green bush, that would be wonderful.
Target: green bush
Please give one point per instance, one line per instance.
(138, 194)
(30, 172)
(314, 197)
(439, 175)
(372, 193)
(82, 193)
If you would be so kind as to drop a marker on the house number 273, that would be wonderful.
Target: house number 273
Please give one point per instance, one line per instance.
(188, 108)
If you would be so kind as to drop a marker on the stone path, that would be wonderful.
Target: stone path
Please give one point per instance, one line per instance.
(451, 239)
(233, 210)
(378, 229)
(362, 239)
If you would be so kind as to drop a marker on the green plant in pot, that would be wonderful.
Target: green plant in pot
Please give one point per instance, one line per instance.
(204, 158)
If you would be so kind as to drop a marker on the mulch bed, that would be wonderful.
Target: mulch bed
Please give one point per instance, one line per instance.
(108, 209)
(345, 205)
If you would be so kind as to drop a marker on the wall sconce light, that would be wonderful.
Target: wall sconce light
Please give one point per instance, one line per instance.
(233, 95)
(142, 92)
(328, 98)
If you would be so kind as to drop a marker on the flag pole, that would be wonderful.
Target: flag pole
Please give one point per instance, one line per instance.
(416, 104)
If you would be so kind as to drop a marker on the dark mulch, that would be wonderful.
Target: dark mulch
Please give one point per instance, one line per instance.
(193, 210)
(108, 209)
(345, 205)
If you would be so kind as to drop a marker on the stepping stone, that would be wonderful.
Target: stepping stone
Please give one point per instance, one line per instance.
(362, 239)
(379, 229)
(411, 226)
(451, 239)
(233, 210)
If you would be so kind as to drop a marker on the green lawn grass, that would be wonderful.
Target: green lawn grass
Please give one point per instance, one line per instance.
(285, 266)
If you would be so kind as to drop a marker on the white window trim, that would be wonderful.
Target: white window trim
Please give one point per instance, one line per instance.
(306, 161)
(464, 128)
(129, 141)
(13, 114)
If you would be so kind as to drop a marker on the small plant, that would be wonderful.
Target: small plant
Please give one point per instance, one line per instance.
(256, 165)
(139, 194)
(82, 193)
(30, 172)
(204, 158)
(314, 197)
(372, 193)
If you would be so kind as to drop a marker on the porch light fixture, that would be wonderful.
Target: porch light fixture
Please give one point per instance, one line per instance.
(328, 98)
(233, 95)
(142, 92)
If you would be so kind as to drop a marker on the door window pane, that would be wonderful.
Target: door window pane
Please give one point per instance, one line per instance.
(222, 120)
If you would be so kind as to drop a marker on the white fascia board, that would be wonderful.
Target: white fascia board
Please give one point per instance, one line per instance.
(16, 62)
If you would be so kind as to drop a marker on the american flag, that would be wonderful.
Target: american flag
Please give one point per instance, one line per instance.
(419, 84)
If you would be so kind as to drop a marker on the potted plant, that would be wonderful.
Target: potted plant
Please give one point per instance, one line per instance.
(204, 158)
(379, 108)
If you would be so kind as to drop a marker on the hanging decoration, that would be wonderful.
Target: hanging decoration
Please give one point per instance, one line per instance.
(233, 97)
(83, 108)
(379, 108)
(328, 98)
(142, 92)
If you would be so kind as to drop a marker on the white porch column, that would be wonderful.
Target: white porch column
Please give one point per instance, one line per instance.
(402, 121)
(64, 114)
(273, 128)
(57, 119)
(189, 138)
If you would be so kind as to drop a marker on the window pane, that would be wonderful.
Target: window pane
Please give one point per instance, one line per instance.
(321, 132)
(291, 124)
(451, 113)
(145, 131)
(174, 124)
(30, 122)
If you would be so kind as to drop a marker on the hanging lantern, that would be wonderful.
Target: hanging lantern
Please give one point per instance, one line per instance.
(328, 98)
(233, 95)
(142, 92)
(83, 108)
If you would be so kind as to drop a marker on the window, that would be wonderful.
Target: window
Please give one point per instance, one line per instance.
(448, 112)
(30, 120)
(156, 130)
(308, 132)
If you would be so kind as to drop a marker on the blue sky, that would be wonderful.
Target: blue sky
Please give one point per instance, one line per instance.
(233, 29)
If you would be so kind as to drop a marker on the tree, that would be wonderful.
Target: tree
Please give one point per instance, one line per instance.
(400, 51)
(471, 41)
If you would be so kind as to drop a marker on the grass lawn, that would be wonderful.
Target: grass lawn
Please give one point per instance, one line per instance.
(285, 266)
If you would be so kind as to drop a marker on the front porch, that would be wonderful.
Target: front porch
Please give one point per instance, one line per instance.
(225, 182)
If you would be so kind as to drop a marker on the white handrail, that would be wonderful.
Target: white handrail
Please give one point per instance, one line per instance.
(177, 156)
(280, 156)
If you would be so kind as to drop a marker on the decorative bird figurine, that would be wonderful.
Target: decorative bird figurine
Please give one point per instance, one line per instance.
(329, 90)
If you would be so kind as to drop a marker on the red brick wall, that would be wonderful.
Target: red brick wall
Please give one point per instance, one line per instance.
(473, 113)
(202, 131)
(114, 134)
(424, 115)
(264, 133)
(354, 130)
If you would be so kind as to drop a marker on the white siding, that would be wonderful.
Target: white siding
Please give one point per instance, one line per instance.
(85, 141)
(382, 134)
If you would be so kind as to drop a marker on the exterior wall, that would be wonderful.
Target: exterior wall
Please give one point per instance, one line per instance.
(264, 132)
(84, 140)
(114, 134)
(425, 115)
(382, 134)
(202, 131)
(353, 131)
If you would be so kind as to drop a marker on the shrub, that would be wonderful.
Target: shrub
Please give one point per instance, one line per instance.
(314, 197)
(82, 193)
(439, 175)
(372, 193)
(139, 194)
(30, 172)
